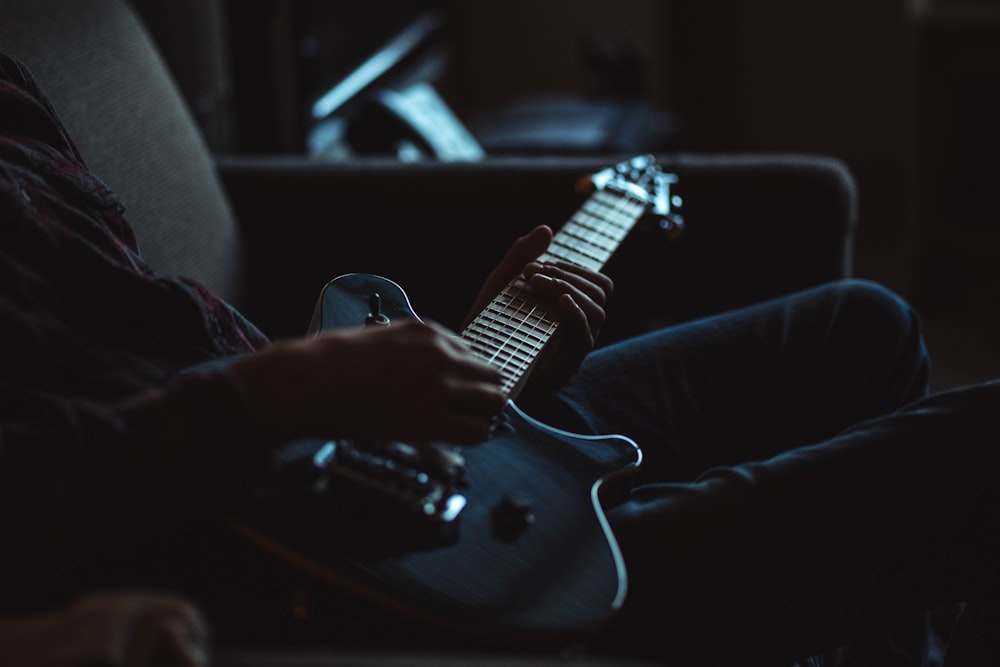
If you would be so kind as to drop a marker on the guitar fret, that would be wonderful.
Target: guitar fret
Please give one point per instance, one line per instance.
(487, 327)
(595, 231)
(614, 229)
(581, 251)
(514, 303)
(607, 206)
(511, 359)
(584, 233)
(490, 354)
(511, 331)
(512, 364)
(596, 251)
(513, 319)
(506, 323)
(497, 343)
(505, 336)
(614, 224)
(499, 337)
(612, 201)
(569, 255)
(525, 313)
(588, 232)
(517, 306)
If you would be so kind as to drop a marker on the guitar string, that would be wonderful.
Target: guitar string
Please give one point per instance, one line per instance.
(611, 214)
(513, 367)
(614, 215)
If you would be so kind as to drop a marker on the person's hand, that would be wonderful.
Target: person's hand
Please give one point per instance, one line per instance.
(410, 380)
(575, 295)
(109, 629)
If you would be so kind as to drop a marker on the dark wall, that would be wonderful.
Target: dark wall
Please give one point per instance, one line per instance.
(882, 86)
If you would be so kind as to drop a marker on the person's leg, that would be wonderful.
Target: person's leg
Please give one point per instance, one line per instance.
(749, 384)
(821, 545)
(737, 388)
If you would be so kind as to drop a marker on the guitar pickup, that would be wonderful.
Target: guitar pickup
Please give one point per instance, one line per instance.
(391, 478)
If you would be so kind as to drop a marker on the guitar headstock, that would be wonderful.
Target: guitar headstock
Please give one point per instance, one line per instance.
(642, 179)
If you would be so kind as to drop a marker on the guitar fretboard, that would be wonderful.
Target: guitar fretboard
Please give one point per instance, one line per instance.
(512, 330)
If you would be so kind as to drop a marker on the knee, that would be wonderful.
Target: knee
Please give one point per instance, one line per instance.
(883, 325)
(867, 304)
(870, 301)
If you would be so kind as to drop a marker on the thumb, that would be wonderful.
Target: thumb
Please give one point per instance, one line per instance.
(528, 247)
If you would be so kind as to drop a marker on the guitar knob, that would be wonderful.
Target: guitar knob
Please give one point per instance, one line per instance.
(512, 516)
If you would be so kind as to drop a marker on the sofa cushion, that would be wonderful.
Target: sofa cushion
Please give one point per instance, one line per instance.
(97, 64)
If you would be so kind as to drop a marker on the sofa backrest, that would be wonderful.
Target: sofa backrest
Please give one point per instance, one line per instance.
(98, 65)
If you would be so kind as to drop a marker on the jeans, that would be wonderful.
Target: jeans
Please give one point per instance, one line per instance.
(799, 489)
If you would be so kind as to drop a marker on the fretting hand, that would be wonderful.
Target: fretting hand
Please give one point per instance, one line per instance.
(577, 296)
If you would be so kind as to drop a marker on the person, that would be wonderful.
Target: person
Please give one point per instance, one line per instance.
(800, 491)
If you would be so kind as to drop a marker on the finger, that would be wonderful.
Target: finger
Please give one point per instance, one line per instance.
(465, 430)
(178, 645)
(582, 330)
(532, 244)
(602, 284)
(524, 250)
(595, 285)
(476, 399)
(469, 411)
(483, 372)
(472, 367)
(469, 365)
(453, 428)
(440, 457)
(555, 289)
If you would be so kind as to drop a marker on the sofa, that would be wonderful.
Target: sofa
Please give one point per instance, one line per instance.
(268, 231)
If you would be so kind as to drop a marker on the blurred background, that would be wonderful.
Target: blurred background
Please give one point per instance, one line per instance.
(905, 92)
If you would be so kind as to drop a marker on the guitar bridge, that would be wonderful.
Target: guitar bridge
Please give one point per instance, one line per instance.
(390, 477)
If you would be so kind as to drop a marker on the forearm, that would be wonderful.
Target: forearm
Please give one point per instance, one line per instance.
(74, 474)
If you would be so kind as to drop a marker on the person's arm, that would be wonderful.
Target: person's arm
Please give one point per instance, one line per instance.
(409, 380)
(75, 473)
(133, 628)
(417, 381)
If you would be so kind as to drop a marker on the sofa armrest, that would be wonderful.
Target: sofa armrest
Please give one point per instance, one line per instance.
(757, 226)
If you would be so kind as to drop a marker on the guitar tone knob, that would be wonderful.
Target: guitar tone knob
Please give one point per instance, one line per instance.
(512, 516)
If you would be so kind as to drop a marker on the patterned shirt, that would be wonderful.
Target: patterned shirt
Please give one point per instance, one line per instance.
(98, 426)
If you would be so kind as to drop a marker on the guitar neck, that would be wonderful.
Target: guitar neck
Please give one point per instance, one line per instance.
(512, 330)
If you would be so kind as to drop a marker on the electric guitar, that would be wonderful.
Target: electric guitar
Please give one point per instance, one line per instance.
(513, 546)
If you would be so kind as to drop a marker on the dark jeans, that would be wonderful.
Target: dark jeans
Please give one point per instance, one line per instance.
(798, 490)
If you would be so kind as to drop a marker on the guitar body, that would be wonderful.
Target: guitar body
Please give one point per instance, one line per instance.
(514, 546)
(528, 558)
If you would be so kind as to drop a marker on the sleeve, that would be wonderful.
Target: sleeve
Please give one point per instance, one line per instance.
(28, 111)
(76, 475)
(80, 472)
